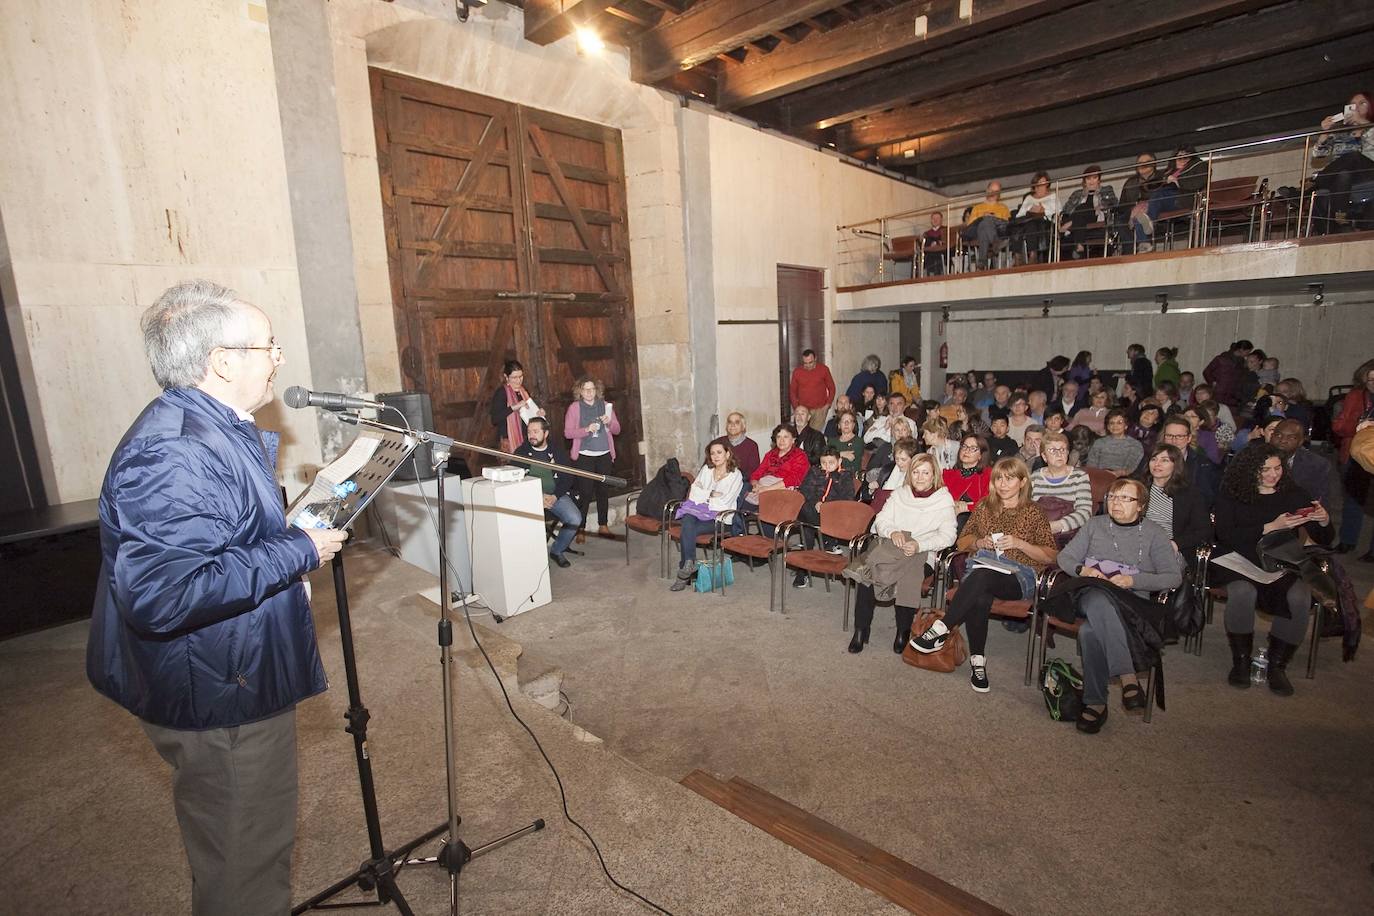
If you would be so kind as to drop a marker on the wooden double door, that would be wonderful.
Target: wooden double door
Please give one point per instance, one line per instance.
(506, 239)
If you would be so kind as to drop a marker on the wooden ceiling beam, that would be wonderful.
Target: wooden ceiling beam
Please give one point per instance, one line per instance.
(880, 39)
(672, 9)
(1078, 148)
(1079, 31)
(1351, 58)
(628, 17)
(710, 28)
(1196, 51)
(546, 21)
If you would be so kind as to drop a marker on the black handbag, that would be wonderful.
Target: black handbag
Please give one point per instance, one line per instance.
(1185, 610)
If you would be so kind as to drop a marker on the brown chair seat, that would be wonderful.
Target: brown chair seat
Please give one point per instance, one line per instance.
(842, 521)
(777, 508)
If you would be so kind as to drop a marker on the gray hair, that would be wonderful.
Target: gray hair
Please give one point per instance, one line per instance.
(872, 363)
(183, 326)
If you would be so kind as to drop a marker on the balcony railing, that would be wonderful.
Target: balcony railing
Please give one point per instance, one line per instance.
(1257, 191)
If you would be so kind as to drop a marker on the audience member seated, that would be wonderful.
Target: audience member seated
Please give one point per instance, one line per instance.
(847, 442)
(1296, 405)
(1020, 419)
(1203, 394)
(999, 444)
(1175, 504)
(1069, 401)
(1030, 449)
(1257, 498)
(1091, 203)
(809, 439)
(905, 381)
(557, 486)
(832, 426)
(1145, 429)
(880, 429)
(935, 433)
(715, 492)
(970, 479)
(1116, 451)
(871, 373)
(1203, 473)
(891, 474)
(900, 428)
(1203, 418)
(1309, 470)
(915, 523)
(783, 467)
(1119, 559)
(1024, 546)
(958, 398)
(1032, 229)
(1351, 156)
(1081, 440)
(1135, 200)
(1063, 492)
(1094, 416)
(1185, 387)
(867, 404)
(1055, 421)
(825, 484)
(986, 222)
(1184, 181)
(934, 245)
(1036, 403)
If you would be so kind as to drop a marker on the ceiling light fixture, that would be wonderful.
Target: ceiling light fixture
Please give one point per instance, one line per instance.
(1163, 300)
(1318, 291)
(588, 42)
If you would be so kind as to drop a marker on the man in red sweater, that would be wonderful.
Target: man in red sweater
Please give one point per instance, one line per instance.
(812, 387)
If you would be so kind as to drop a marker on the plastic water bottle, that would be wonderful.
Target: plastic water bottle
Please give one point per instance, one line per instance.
(1259, 667)
(323, 513)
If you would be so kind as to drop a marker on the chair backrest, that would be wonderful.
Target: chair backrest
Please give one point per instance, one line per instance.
(1232, 190)
(777, 507)
(1102, 481)
(845, 520)
(903, 245)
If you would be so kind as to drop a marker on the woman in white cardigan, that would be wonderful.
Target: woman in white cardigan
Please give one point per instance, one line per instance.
(714, 492)
(917, 521)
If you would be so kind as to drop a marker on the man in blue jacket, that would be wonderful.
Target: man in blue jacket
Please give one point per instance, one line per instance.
(202, 626)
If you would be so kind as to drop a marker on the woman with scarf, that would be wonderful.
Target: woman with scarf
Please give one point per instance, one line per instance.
(904, 381)
(1119, 559)
(1004, 566)
(507, 405)
(591, 424)
(915, 524)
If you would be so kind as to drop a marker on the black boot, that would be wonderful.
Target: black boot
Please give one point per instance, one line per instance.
(856, 645)
(1242, 645)
(1280, 653)
(905, 616)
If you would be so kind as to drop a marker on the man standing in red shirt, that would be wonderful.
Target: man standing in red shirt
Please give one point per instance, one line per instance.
(812, 387)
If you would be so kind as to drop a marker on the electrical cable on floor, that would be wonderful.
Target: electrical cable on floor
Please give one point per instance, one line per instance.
(562, 792)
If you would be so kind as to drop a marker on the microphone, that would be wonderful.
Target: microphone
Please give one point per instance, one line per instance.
(297, 397)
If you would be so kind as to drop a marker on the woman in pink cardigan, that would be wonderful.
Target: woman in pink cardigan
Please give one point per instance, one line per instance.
(591, 425)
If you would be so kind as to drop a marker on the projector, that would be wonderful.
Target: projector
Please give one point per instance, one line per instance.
(504, 475)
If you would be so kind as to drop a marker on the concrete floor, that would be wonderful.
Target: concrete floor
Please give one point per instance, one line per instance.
(1230, 802)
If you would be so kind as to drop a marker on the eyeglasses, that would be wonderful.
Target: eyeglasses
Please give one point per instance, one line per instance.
(970, 448)
(1121, 498)
(273, 348)
(1056, 450)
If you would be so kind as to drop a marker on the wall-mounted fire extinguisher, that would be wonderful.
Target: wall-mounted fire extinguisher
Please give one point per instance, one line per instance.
(944, 355)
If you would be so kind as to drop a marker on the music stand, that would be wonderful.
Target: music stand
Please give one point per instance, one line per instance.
(378, 873)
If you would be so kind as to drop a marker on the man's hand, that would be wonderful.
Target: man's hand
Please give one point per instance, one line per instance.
(549, 500)
(327, 541)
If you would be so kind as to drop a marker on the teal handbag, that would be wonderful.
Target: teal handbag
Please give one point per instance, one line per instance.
(710, 574)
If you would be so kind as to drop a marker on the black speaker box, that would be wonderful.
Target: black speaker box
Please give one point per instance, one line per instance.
(419, 413)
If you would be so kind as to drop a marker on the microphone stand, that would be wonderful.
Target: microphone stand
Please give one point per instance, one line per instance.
(378, 874)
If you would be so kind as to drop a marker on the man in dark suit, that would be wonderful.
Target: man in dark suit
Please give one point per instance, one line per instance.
(810, 440)
(1309, 470)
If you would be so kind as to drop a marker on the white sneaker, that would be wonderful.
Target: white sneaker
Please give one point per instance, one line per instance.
(932, 640)
(1144, 248)
(978, 674)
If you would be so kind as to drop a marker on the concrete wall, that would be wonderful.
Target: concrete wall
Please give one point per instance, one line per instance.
(777, 202)
(1321, 346)
(143, 147)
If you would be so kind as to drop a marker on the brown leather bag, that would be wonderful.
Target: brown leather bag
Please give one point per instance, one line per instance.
(952, 654)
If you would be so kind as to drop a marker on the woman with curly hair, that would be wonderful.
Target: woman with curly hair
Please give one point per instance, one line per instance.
(1257, 498)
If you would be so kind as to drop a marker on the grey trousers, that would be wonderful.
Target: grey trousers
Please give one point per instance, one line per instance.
(1102, 640)
(1241, 598)
(235, 795)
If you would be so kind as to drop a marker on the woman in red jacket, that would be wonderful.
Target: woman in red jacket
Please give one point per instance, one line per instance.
(971, 479)
(1357, 412)
(784, 467)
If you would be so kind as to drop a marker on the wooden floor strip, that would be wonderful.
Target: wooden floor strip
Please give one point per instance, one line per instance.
(909, 887)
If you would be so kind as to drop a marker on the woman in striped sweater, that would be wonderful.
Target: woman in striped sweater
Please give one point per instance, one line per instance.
(1069, 487)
